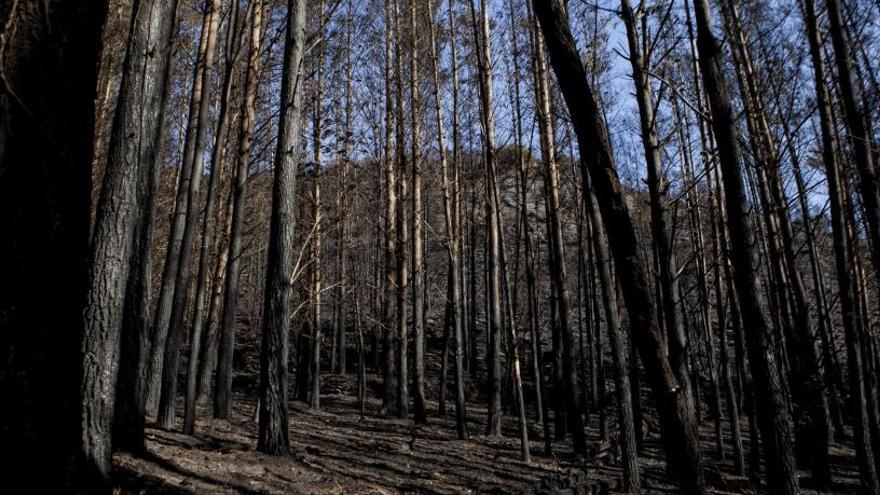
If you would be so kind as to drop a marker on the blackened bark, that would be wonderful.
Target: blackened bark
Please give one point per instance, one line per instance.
(660, 230)
(625, 413)
(810, 412)
(855, 117)
(315, 246)
(418, 285)
(389, 347)
(50, 52)
(273, 436)
(842, 256)
(171, 364)
(226, 350)
(775, 423)
(401, 277)
(140, 106)
(597, 167)
(202, 284)
(165, 305)
(570, 393)
(493, 245)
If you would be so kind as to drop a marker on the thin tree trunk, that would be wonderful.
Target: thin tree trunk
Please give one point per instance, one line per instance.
(628, 440)
(557, 268)
(223, 383)
(389, 376)
(50, 54)
(842, 247)
(418, 300)
(202, 284)
(806, 382)
(144, 88)
(859, 137)
(342, 219)
(493, 253)
(675, 334)
(316, 173)
(180, 233)
(401, 255)
(450, 192)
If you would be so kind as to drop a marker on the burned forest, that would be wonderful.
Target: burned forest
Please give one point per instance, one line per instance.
(440, 246)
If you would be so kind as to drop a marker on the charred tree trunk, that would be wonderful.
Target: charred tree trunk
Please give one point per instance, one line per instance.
(49, 67)
(402, 244)
(775, 423)
(418, 297)
(569, 383)
(202, 286)
(806, 382)
(389, 351)
(316, 173)
(597, 167)
(450, 193)
(273, 436)
(855, 118)
(663, 243)
(180, 234)
(223, 383)
(493, 245)
(144, 88)
(842, 248)
(626, 419)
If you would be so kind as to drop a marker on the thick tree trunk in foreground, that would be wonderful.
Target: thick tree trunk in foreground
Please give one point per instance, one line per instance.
(46, 135)
(418, 296)
(273, 436)
(597, 167)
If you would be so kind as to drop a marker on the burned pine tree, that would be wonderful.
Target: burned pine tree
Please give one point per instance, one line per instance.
(599, 175)
(50, 53)
(273, 435)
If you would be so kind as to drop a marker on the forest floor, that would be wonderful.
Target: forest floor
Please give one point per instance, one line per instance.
(335, 450)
